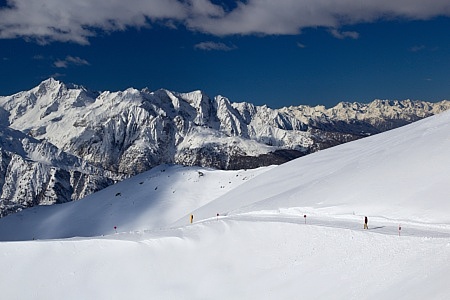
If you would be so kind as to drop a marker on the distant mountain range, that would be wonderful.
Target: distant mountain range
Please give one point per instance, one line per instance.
(61, 142)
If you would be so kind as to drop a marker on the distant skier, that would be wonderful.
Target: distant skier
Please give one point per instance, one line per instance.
(365, 223)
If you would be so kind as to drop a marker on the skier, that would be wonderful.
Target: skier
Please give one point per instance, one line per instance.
(365, 223)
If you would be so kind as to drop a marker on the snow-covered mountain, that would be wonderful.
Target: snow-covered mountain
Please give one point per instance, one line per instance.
(131, 131)
(283, 232)
(34, 172)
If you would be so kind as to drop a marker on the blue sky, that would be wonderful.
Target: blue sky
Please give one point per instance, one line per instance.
(278, 53)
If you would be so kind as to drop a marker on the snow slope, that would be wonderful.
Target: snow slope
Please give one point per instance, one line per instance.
(151, 200)
(401, 175)
(261, 246)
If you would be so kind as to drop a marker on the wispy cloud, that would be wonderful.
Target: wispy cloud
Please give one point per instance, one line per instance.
(344, 34)
(417, 48)
(39, 57)
(300, 45)
(77, 21)
(70, 60)
(209, 46)
(56, 75)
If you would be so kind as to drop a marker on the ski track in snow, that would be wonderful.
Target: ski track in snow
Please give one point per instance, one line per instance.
(376, 226)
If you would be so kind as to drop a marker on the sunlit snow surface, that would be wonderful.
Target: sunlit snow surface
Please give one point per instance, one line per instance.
(260, 246)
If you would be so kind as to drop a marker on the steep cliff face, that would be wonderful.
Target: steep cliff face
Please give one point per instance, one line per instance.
(74, 141)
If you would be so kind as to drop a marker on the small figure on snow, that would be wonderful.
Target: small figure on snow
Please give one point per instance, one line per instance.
(365, 223)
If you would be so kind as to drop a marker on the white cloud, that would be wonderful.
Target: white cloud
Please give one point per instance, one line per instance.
(76, 21)
(291, 16)
(205, 8)
(208, 46)
(70, 60)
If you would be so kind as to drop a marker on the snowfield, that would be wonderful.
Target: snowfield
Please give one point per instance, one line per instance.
(261, 245)
(229, 259)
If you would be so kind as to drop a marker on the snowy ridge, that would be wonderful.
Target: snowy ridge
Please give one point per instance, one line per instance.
(151, 200)
(260, 245)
